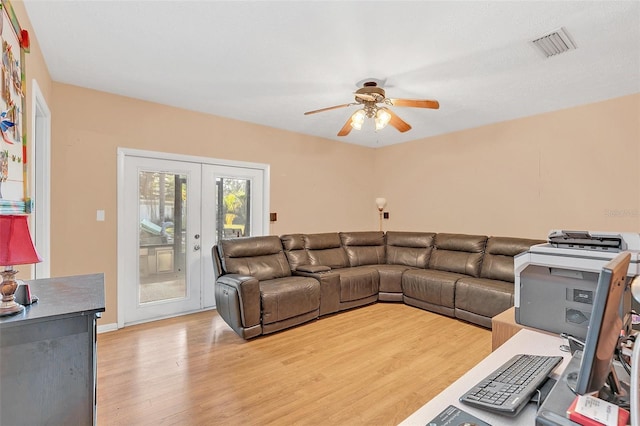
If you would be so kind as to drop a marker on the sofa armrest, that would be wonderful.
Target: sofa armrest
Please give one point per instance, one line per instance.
(238, 300)
(313, 268)
(329, 289)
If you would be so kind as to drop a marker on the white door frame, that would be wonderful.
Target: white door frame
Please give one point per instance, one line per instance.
(41, 178)
(121, 246)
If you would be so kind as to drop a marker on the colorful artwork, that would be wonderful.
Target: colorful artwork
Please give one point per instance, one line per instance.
(13, 162)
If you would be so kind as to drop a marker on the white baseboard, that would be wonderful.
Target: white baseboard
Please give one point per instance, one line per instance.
(107, 327)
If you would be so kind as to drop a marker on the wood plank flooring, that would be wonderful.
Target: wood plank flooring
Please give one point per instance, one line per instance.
(373, 365)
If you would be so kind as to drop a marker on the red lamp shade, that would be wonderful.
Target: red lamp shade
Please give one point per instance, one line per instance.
(16, 247)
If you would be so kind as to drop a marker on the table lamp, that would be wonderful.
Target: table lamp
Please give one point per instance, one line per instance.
(16, 248)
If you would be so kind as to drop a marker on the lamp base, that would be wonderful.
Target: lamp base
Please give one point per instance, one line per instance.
(8, 287)
(10, 308)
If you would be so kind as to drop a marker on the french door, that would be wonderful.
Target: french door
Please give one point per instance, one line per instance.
(234, 204)
(171, 212)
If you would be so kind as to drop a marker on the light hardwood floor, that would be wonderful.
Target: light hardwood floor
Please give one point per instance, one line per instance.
(373, 365)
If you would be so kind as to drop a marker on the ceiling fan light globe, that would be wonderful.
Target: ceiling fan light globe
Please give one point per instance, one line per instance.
(382, 118)
(383, 115)
(357, 119)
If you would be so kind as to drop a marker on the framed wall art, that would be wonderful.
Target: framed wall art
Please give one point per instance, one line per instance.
(14, 43)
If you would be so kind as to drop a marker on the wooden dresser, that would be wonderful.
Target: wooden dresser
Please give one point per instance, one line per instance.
(48, 354)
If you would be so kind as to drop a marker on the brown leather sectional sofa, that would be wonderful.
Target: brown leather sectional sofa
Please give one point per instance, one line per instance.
(266, 284)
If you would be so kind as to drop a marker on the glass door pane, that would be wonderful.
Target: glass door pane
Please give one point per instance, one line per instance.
(233, 207)
(162, 214)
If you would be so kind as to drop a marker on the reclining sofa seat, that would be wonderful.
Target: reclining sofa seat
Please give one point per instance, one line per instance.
(453, 257)
(256, 292)
(299, 262)
(389, 255)
(405, 251)
(480, 299)
(358, 284)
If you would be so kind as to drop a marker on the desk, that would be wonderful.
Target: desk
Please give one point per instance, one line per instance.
(48, 354)
(525, 341)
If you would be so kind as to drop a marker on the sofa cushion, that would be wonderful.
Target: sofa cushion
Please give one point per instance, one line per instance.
(321, 241)
(391, 277)
(285, 298)
(409, 248)
(458, 253)
(325, 249)
(294, 250)
(358, 282)
(483, 296)
(434, 287)
(259, 257)
(363, 248)
(497, 263)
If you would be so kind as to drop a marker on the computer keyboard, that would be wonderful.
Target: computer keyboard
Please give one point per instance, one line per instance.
(508, 389)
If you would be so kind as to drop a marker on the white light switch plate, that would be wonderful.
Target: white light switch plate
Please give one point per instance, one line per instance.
(100, 215)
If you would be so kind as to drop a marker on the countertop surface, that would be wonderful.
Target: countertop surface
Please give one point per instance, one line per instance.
(61, 297)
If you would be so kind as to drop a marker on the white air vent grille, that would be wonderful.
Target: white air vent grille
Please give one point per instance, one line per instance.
(555, 43)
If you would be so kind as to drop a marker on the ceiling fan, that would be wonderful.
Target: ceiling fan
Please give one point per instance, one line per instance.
(370, 96)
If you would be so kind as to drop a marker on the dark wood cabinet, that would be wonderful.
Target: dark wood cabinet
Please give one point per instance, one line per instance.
(48, 354)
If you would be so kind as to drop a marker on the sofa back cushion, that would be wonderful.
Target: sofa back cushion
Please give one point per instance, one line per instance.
(409, 248)
(498, 257)
(458, 253)
(294, 250)
(364, 248)
(259, 257)
(325, 249)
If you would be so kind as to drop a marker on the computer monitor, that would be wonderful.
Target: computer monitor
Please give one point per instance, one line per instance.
(604, 329)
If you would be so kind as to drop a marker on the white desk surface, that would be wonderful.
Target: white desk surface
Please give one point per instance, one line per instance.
(525, 341)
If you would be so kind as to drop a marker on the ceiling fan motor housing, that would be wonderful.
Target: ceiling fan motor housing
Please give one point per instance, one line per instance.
(370, 93)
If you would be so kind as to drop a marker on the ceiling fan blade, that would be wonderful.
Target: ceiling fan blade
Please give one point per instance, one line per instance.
(329, 108)
(415, 103)
(398, 122)
(346, 128)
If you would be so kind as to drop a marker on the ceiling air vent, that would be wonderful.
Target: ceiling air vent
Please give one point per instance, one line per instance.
(555, 43)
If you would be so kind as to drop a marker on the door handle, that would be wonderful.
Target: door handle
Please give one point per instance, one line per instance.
(196, 247)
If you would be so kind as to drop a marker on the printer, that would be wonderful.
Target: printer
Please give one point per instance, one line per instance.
(555, 283)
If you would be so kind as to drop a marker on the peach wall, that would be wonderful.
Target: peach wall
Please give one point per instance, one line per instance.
(317, 185)
(572, 169)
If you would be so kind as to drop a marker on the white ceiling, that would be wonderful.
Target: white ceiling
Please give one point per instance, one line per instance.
(268, 62)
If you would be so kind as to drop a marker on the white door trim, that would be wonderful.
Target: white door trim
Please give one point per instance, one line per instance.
(121, 245)
(41, 180)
